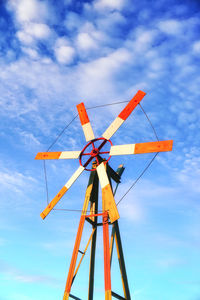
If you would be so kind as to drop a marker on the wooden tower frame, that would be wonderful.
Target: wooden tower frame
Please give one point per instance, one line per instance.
(91, 197)
(100, 171)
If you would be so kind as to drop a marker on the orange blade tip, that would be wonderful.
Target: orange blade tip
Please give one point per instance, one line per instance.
(131, 105)
(166, 145)
(42, 215)
(82, 113)
(48, 155)
(160, 146)
(170, 145)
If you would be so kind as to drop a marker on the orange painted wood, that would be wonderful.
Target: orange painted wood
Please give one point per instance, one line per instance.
(74, 255)
(82, 113)
(131, 105)
(160, 146)
(53, 202)
(109, 203)
(48, 155)
(107, 276)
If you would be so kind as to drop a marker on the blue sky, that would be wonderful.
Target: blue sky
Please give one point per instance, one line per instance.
(56, 54)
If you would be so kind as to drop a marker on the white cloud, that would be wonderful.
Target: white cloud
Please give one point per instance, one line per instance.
(142, 40)
(73, 21)
(91, 41)
(63, 50)
(31, 52)
(189, 176)
(171, 27)
(62, 41)
(106, 66)
(9, 272)
(186, 117)
(132, 211)
(196, 47)
(157, 65)
(37, 30)
(25, 38)
(169, 262)
(32, 32)
(14, 180)
(109, 4)
(85, 41)
(30, 18)
(28, 10)
(109, 23)
(99, 73)
(65, 54)
(29, 139)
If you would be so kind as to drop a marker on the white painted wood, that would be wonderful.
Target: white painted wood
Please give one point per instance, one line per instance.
(73, 178)
(88, 132)
(122, 149)
(112, 128)
(69, 154)
(103, 177)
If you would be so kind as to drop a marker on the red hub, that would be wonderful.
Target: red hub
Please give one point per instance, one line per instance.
(93, 150)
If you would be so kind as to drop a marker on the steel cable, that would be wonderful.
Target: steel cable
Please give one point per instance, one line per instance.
(132, 185)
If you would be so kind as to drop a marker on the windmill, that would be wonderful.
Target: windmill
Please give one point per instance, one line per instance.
(94, 157)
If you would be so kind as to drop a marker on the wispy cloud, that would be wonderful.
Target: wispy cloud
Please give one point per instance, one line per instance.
(15, 181)
(12, 273)
(169, 262)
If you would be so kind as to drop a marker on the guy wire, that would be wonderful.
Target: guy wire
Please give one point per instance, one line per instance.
(62, 131)
(132, 185)
(46, 184)
(138, 178)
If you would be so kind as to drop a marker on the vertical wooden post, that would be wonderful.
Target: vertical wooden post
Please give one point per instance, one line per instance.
(107, 276)
(93, 210)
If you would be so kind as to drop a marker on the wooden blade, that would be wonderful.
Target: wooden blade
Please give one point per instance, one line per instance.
(107, 194)
(114, 126)
(140, 148)
(58, 155)
(85, 122)
(65, 188)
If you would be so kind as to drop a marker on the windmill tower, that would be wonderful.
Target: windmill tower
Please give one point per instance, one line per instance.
(94, 158)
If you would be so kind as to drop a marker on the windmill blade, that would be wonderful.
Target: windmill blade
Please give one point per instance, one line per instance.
(107, 194)
(85, 122)
(140, 148)
(58, 155)
(61, 193)
(114, 126)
